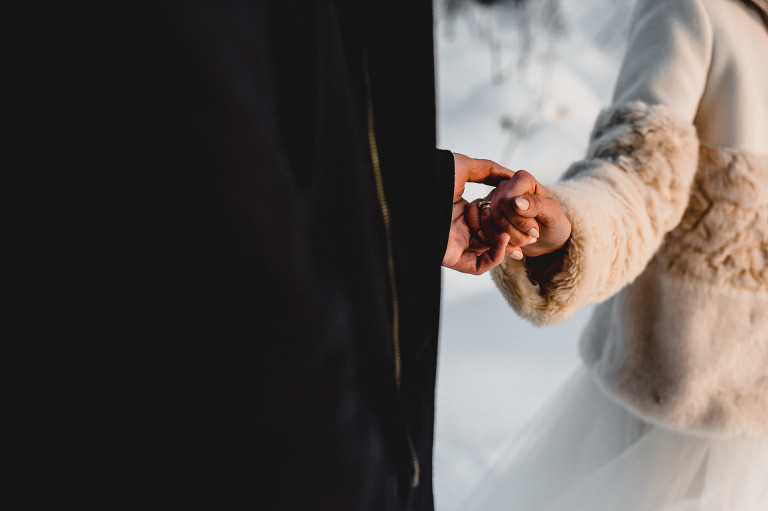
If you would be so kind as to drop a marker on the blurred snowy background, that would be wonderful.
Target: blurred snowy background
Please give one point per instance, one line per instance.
(519, 82)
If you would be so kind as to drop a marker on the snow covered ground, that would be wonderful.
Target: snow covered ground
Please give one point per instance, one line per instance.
(534, 113)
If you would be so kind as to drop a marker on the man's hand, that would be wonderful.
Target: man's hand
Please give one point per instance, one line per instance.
(471, 170)
(464, 253)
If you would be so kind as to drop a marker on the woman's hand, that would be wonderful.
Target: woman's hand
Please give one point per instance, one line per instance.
(524, 210)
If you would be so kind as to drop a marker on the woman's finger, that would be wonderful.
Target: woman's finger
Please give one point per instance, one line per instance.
(522, 231)
(520, 213)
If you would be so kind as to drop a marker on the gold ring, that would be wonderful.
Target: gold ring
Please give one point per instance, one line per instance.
(483, 205)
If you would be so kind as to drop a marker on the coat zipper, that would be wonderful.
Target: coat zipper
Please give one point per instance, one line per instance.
(415, 466)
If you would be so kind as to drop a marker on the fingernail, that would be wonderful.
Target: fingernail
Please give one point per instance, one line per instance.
(533, 240)
(516, 254)
(522, 203)
(481, 235)
(533, 232)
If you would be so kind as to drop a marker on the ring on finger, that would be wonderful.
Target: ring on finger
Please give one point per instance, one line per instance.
(482, 205)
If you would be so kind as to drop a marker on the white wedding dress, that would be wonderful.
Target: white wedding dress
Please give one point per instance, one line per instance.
(584, 452)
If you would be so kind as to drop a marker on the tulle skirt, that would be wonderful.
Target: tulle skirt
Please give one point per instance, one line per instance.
(583, 452)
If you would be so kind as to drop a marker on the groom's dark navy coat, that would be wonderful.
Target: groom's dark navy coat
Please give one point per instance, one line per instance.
(202, 308)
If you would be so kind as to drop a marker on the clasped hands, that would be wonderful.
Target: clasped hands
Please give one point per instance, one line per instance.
(518, 218)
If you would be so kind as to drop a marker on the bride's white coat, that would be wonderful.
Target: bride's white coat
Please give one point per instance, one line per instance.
(670, 217)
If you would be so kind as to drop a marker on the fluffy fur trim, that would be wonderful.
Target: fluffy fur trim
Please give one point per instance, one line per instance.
(621, 200)
(685, 353)
(723, 237)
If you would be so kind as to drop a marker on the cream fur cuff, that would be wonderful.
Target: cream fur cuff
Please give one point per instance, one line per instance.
(630, 190)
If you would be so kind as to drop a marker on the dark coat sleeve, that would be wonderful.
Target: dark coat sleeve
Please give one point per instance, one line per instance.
(200, 271)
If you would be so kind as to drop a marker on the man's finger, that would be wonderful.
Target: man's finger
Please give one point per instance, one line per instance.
(488, 226)
(472, 218)
(481, 171)
(495, 256)
(489, 173)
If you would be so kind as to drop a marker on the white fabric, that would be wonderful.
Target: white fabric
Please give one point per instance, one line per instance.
(586, 453)
(670, 232)
(707, 61)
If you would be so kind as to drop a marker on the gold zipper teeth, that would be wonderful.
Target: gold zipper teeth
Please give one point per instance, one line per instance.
(390, 260)
(388, 233)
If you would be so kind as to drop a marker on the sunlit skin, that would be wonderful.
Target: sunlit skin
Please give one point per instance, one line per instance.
(524, 211)
(464, 251)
